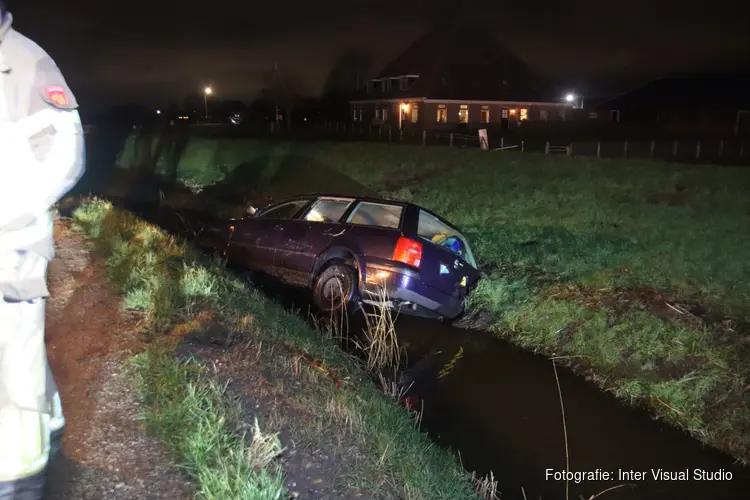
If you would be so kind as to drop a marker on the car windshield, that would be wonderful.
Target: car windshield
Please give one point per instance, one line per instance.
(441, 234)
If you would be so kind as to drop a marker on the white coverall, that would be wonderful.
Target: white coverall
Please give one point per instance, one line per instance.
(41, 159)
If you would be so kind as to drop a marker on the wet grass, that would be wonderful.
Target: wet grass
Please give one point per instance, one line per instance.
(181, 296)
(191, 414)
(609, 228)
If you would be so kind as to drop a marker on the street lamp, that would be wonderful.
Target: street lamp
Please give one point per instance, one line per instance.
(207, 92)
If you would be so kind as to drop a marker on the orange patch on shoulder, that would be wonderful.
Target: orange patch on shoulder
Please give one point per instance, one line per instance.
(57, 95)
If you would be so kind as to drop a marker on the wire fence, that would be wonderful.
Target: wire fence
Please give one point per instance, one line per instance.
(734, 151)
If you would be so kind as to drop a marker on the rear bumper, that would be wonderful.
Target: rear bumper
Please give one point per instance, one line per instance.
(406, 292)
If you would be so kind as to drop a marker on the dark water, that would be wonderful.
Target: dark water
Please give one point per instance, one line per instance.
(499, 407)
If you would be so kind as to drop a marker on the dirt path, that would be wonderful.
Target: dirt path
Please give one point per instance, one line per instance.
(107, 455)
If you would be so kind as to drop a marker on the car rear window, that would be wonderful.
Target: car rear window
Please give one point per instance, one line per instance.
(328, 209)
(283, 211)
(441, 234)
(376, 214)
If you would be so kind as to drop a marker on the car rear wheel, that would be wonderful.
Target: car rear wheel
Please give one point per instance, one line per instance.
(335, 287)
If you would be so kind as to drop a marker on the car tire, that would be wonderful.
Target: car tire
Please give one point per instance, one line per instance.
(335, 287)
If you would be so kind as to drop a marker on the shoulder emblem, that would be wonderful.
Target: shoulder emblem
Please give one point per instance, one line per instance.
(57, 95)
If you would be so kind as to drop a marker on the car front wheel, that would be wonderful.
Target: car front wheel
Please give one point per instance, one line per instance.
(335, 287)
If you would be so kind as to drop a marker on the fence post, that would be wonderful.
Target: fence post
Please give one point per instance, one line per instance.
(450, 140)
(625, 149)
(653, 148)
(424, 138)
(674, 147)
(337, 128)
(698, 150)
(546, 148)
(522, 146)
(570, 149)
(742, 149)
(502, 140)
(598, 149)
(401, 135)
(721, 147)
(380, 133)
(390, 133)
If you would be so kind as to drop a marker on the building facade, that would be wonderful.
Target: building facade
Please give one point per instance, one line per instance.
(451, 114)
(455, 78)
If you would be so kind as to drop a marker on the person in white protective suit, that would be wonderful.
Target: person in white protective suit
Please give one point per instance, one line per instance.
(41, 159)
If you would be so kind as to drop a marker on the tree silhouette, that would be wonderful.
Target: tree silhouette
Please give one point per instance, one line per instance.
(285, 88)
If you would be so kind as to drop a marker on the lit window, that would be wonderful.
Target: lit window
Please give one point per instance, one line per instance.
(504, 113)
(484, 116)
(513, 112)
(463, 114)
(381, 113)
(543, 115)
(415, 113)
(442, 114)
(524, 114)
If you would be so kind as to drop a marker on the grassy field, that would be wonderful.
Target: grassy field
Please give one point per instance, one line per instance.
(203, 421)
(636, 272)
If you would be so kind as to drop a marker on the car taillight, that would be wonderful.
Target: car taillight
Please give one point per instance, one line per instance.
(408, 251)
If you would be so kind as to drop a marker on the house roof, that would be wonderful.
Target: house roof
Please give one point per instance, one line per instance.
(460, 62)
(681, 91)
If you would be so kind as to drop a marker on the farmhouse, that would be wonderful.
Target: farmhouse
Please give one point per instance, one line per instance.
(456, 77)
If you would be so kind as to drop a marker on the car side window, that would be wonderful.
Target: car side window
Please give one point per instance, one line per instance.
(376, 214)
(283, 211)
(328, 209)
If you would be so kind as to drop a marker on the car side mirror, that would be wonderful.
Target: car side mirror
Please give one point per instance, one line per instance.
(251, 210)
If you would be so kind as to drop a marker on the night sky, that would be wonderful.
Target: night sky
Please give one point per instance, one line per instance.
(153, 51)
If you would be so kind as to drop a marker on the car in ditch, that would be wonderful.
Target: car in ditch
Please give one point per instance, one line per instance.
(350, 249)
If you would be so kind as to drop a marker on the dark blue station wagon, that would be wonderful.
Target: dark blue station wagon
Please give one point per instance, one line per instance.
(354, 249)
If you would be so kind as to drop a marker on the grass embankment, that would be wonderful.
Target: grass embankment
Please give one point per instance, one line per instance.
(202, 424)
(628, 268)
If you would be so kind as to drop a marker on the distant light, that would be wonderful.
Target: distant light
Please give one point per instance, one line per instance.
(570, 97)
(513, 111)
(405, 106)
(304, 119)
(158, 111)
(208, 90)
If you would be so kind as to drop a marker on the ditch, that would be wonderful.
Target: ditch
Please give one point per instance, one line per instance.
(499, 408)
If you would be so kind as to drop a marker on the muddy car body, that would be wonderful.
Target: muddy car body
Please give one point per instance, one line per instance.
(348, 248)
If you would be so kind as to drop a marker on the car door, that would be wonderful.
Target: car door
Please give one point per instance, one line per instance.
(254, 240)
(306, 237)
